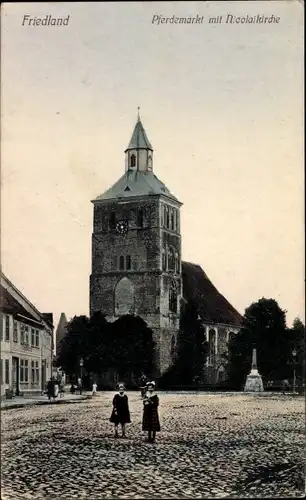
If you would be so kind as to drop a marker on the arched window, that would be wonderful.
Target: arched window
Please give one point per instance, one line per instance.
(133, 161)
(172, 220)
(162, 216)
(164, 260)
(128, 262)
(112, 220)
(150, 162)
(173, 298)
(124, 297)
(121, 263)
(177, 264)
(231, 336)
(212, 346)
(171, 259)
(167, 216)
(140, 218)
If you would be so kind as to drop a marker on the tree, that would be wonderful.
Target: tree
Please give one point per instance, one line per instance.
(297, 342)
(74, 345)
(133, 344)
(263, 328)
(192, 349)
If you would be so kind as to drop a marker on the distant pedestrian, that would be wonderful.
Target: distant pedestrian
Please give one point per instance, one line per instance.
(50, 389)
(80, 385)
(62, 389)
(121, 413)
(72, 389)
(94, 389)
(285, 385)
(150, 420)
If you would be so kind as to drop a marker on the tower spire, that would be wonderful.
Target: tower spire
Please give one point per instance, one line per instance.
(138, 116)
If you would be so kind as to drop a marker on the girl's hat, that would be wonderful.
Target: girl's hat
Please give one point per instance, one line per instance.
(150, 383)
(121, 386)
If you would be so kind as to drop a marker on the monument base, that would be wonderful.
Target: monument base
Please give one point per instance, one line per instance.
(253, 382)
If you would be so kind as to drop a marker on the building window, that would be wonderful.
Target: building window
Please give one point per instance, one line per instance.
(128, 262)
(162, 216)
(32, 337)
(15, 331)
(1, 325)
(1, 371)
(133, 161)
(36, 372)
(32, 373)
(112, 220)
(171, 260)
(21, 374)
(7, 371)
(26, 334)
(7, 328)
(173, 298)
(121, 263)
(37, 338)
(140, 218)
(177, 221)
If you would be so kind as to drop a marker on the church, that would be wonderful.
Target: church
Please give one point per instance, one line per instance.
(137, 265)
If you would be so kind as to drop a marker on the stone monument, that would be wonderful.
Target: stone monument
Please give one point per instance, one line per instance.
(254, 381)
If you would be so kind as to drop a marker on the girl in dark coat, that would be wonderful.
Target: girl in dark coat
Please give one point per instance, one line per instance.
(121, 412)
(150, 420)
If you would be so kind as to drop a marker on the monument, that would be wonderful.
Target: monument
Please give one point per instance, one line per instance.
(254, 381)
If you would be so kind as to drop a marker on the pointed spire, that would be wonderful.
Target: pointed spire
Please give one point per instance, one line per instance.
(139, 138)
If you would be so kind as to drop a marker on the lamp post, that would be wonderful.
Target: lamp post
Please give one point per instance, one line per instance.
(81, 374)
(294, 377)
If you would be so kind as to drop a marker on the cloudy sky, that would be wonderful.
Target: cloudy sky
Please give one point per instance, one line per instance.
(222, 105)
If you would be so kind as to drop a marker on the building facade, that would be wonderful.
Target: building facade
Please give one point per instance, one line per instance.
(136, 253)
(26, 343)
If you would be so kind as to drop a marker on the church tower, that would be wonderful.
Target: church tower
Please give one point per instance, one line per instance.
(136, 250)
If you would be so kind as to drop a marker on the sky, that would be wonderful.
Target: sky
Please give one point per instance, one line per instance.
(222, 105)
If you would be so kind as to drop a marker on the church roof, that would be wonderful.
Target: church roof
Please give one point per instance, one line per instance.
(136, 183)
(139, 138)
(212, 306)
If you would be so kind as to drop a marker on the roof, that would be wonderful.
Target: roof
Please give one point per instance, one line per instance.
(139, 139)
(9, 305)
(136, 183)
(212, 306)
(8, 301)
(61, 328)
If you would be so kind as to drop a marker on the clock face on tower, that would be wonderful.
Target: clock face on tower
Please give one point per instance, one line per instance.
(121, 227)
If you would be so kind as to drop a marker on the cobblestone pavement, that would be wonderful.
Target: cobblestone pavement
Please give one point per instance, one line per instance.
(210, 446)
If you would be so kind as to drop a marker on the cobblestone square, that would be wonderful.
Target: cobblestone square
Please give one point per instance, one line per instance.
(210, 446)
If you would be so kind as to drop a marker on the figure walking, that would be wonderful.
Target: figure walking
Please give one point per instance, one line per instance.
(121, 413)
(94, 389)
(150, 420)
(51, 389)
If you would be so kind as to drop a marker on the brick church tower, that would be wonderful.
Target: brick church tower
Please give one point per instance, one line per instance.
(136, 250)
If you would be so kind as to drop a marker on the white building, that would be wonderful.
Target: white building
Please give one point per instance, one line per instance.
(26, 343)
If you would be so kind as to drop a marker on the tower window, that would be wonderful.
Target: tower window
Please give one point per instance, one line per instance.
(167, 216)
(140, 218)
(171, 260)
(172, 220)
(112, 220)
(121, 263)
(164, 261)
(128, 262)
(173, 298)
(133, 161)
